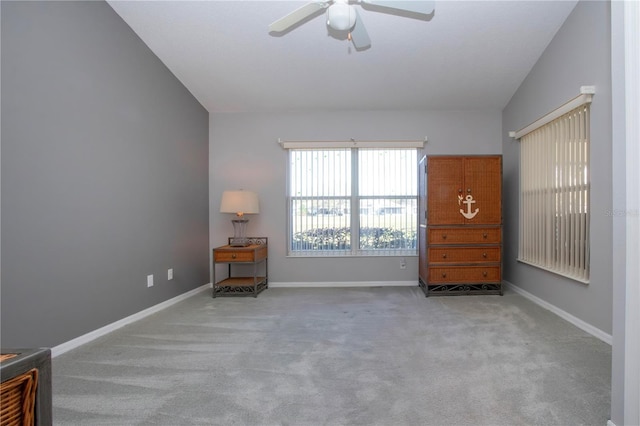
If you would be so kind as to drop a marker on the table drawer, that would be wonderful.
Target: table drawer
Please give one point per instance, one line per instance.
(229, 254)
(439, 254)
(464, 235)
(234, 256)
(465, 274)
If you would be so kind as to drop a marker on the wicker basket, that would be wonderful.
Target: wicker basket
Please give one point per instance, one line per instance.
(17, 398)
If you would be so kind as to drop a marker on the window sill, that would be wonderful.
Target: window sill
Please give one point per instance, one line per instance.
(563, 274)
(364, 255)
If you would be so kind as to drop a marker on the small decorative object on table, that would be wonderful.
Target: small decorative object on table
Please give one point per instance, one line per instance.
(254, 255)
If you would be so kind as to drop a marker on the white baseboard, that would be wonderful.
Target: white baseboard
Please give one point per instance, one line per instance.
(596, 332)
(610, 423)
(344, 284)
(81, 340)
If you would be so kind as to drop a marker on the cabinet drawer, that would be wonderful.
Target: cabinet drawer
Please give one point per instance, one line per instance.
(463, 254)
(464, 235)
(465, 274)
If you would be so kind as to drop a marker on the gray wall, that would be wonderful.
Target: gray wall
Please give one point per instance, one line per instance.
(580, 54)
(104, 174)
(244, 153)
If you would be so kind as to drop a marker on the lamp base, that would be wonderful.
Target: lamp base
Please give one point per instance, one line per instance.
(239, 233)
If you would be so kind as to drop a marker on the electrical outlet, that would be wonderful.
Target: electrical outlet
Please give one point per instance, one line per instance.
(403, 264)
(149, 280)
(170, 274)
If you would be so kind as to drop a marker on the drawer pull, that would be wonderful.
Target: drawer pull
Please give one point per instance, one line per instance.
(444, 275)
(468, 190)
(444, 255)
(484, 255)
(484, 274)
(484, 235)
(233, 255)
(444, 236)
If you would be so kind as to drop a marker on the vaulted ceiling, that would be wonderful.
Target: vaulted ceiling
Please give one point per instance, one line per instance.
(469, 54)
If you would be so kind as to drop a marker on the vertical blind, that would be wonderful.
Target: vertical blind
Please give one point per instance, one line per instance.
(387, 192)
(320, 200)
(352, 201)
(554, 205)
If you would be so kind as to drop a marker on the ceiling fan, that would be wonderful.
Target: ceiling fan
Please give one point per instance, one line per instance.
(343, 17)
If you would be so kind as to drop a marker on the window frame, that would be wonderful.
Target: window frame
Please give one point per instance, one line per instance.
(560, 143)
(354, 198)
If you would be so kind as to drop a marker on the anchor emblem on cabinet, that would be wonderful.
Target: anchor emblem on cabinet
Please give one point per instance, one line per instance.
(468, 200)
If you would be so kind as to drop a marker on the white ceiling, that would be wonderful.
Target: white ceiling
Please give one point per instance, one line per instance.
(471, 54)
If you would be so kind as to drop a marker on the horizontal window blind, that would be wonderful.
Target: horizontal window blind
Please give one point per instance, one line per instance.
(554, 205)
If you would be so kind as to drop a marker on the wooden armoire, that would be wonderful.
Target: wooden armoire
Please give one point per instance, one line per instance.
(460, 225)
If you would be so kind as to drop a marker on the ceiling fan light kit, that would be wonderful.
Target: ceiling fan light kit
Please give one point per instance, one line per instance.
(344, 17)
(341, 16)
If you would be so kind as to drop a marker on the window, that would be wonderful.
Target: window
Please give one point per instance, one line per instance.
(554, 191)
(352, 201)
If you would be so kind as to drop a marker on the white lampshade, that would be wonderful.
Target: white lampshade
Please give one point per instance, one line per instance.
(239, 202)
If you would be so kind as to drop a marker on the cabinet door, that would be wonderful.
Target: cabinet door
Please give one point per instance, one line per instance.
(483, 183)
(444, 184)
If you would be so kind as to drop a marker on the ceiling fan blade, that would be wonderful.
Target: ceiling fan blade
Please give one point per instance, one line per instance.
(296, 16)
(359, 35)
(423, 7)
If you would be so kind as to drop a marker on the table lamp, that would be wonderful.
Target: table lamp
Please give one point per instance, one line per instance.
(239, 202)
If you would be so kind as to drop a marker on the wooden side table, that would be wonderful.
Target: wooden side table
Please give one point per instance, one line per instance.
(255, 254)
